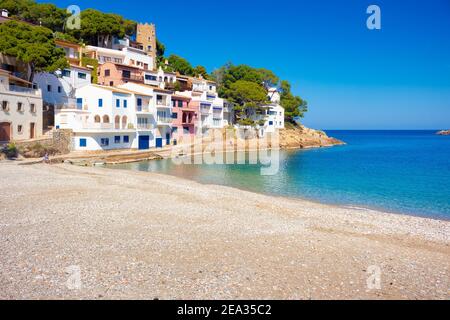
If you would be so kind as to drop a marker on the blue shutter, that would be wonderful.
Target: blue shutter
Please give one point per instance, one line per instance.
(117, 103)
(100, 103)
(83, 143)
(125, 103)
(79, 103)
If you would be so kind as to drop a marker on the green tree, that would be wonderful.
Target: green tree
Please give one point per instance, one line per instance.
(33, 45)
(201, 71)
(43, 14)
(181, 65)
(160, 48)
(95, 24)
(248, 98)
(294, 106)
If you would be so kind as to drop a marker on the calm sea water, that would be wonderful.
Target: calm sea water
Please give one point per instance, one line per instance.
(397, 171)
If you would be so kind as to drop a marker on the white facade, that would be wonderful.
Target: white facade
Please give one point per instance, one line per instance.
(104, 119)
(59, 89)
(159, 78)
(20, 109)
(123, 55)
(274, 118)
(160, 107)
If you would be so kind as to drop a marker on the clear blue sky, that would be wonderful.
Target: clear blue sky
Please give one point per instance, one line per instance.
(353, 78)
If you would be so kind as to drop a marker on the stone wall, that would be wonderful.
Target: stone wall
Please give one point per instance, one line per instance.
(60, 143)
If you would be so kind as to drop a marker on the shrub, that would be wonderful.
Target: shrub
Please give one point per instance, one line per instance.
(10, 151)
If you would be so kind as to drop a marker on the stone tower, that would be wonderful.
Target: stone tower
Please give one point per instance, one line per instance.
(146, 34)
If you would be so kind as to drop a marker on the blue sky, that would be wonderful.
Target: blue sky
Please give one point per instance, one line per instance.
(353, 78)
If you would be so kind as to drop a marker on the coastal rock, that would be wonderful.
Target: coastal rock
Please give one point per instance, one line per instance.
(444, 133)
(293, 137)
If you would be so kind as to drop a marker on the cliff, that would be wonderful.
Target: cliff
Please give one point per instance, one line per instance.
(301, 137)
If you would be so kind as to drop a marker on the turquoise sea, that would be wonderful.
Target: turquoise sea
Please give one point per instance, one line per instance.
(396, 171)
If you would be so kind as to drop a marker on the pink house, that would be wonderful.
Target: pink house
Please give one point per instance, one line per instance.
(114, 74)
(185, 117)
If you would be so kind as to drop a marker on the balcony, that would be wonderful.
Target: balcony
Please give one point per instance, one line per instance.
(25, 90)
(163, 104)
(143, 109)
(144, 127)
(164, 121)
(97, 126)
(133, 78)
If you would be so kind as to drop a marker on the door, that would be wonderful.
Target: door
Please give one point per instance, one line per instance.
(168, 139)
(5, 131)
(159, 142)
(144, 142)
(32, 129)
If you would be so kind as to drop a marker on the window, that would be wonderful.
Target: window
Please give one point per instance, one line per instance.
(270, 123)
(32, 108)
(20, 106)
(59, 89)
(139, 102)
(150, 77)
(111, 83)
(49, 88)
(19, 128)
(174, 130)
(107, 73)
(83, 143)
(180, 104)
(174, 115)
(5, 106)
(146, 66)
(118, 103)
(116, 139)
(126, 139)
(100, 103)
(125, 103)
(104, 142)
(65, 73)
(81, 75)
(126, 74)
(79, 103)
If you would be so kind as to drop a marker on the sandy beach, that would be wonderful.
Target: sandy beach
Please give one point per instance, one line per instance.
(71, 232)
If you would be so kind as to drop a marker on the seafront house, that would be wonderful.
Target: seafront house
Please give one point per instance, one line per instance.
(104, 118)
(184, 118)
(20, 109)
(59, 88)
(205, 99)
(160, 106)
(273, 114)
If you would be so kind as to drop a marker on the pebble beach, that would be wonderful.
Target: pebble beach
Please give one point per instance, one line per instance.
(70, 232)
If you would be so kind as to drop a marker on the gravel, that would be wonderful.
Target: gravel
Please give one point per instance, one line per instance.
(69, 232)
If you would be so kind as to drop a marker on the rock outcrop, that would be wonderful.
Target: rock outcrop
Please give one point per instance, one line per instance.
(444, 133)
(301, 137)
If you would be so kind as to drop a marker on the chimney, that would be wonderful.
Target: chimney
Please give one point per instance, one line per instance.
(5, 13)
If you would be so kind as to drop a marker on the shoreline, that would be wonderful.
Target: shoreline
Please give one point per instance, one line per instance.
(293, 198)
(149, 235)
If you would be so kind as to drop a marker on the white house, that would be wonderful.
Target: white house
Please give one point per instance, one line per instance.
(161, 109)
(104, 119)
(20, 109)
(160, 78)
(125, 55)
(59, 88)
